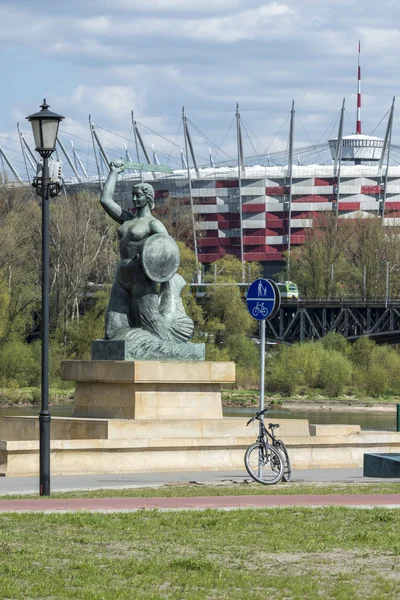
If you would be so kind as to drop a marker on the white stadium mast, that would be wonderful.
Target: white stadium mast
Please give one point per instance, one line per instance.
(358, 124)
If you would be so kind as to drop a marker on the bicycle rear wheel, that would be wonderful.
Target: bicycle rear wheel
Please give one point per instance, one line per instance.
(287, 470)
(263, 463)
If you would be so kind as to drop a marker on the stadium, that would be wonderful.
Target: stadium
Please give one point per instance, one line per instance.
(253, 207)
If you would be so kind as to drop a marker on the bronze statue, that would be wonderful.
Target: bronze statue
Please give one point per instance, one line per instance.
(145, 308)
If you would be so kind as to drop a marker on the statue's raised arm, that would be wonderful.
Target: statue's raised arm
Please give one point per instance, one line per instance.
(106, 200)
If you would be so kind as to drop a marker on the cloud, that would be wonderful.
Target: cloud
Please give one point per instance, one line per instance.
(17, 26)
(108, 102)
(240, 25)
(197, 7)
(154, 57)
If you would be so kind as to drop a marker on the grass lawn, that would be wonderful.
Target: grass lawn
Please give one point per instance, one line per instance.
(252, 489)
(282, 554)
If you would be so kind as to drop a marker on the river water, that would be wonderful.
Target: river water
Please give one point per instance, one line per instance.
(385, 421)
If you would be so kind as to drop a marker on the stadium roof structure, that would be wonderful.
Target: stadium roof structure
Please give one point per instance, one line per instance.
(256, 206)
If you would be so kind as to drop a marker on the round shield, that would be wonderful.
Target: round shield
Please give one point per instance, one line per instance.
(160, 257)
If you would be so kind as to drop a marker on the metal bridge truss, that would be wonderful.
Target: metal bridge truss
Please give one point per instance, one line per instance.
(305, 320)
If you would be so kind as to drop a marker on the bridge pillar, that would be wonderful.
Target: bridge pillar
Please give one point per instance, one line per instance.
(302, 325)
(323, 321)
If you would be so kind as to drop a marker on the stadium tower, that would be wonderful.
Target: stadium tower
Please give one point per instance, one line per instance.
(358, 148)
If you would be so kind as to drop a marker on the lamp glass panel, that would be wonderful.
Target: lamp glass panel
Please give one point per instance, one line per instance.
(49, 129)
(36, 132)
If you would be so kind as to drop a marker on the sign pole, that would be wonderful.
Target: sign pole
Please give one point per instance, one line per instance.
(262, 370)
(262, 364)
(263, 301)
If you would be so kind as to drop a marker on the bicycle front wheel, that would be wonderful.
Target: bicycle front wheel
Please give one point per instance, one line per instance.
(263, 463)
(287, 470)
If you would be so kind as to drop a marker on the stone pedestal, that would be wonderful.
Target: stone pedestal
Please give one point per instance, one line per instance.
(148, 389)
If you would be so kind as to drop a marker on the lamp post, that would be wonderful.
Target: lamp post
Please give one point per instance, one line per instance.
(45, 128)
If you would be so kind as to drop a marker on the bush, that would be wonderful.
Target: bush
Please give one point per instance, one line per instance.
(361, 352)
(19, 362)
(216, 353)
(335, 372)
(337, 342)
(311, 355)
(80, 334)
(287, 369)
(382, 374)
(243, 351)
(247, 379)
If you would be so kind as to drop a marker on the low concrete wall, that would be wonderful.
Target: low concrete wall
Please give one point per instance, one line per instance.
(182, 454)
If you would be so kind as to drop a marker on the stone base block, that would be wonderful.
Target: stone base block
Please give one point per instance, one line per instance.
(148, 389)
(71, 428)
(322, 430)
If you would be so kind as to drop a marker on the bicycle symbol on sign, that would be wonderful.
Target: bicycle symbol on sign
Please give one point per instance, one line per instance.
(260, 309)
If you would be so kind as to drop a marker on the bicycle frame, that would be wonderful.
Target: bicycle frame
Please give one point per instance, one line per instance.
(265, 437)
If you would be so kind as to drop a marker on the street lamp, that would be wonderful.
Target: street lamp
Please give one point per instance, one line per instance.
(45, 128)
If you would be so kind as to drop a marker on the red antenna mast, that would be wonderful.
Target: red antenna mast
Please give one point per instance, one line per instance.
(358, 127)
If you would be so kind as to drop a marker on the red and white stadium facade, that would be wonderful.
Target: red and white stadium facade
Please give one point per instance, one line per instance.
(259, 217)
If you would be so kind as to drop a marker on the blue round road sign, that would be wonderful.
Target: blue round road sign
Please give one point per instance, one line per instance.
(261, 299)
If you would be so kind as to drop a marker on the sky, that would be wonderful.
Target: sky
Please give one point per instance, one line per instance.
(153, 57)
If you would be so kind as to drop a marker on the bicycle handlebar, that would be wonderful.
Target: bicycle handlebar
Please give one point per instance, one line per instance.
(258, 415)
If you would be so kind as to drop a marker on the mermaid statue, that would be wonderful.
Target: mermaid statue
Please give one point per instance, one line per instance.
(145, 317)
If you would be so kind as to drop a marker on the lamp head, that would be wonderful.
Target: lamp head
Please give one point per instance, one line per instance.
(45, 125)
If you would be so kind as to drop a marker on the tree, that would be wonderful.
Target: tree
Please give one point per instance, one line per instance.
(230, 269)
(227, 324)
(187, 269)
(89, 327)
(177, 217)
(226, 314)
(83, 254)
(347, 257)
(20, 259)
(370, 247)
(319, 267)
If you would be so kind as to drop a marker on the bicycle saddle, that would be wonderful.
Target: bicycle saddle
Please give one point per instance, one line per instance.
(273, 425)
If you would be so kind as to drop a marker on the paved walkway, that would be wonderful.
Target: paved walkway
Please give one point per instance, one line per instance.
(30, 485)
(25, 485)
(198, 502)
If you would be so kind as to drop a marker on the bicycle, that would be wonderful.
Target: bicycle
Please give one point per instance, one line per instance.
(267, 463)
(260, 309)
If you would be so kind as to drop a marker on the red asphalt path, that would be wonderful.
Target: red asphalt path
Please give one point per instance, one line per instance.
(197, 502)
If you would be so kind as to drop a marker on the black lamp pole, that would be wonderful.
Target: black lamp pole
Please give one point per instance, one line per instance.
(44, 415)
(45, 128)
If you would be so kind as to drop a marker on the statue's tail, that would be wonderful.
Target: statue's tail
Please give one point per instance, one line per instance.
(168, 320)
